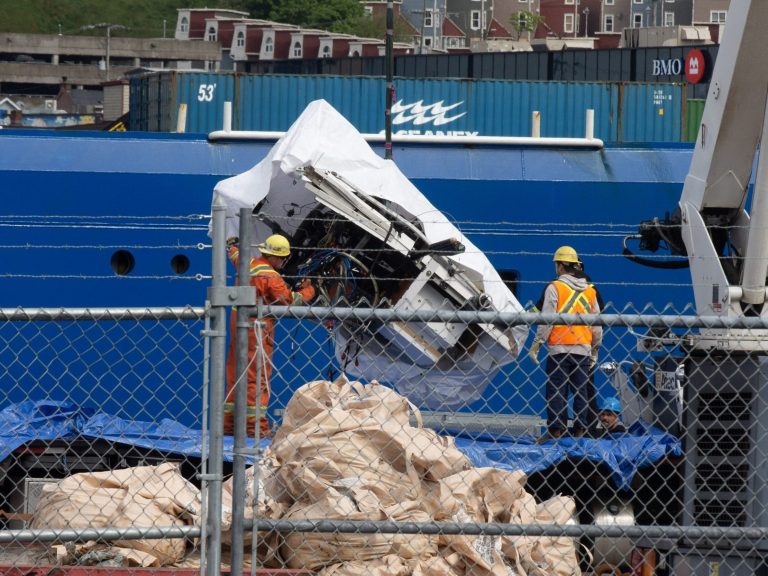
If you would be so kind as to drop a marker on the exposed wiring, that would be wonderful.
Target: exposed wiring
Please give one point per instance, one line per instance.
(337, 267)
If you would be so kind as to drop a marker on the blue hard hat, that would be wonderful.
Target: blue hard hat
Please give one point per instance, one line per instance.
(611, 403)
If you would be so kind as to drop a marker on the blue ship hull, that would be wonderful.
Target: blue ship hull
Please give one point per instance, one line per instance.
(70, 202)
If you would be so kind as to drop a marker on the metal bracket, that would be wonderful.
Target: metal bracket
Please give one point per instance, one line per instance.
(232, 296)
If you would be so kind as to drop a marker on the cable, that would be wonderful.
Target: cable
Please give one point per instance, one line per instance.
(627, 253)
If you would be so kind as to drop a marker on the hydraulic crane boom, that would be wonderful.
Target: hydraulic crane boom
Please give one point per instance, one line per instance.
(727, 247)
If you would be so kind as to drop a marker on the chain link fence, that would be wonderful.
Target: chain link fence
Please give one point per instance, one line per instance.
(397, 440)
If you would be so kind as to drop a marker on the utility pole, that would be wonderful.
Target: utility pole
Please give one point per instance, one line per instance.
(108, 28)
(434, 24)
(390, 72)
(423, 24)
(482, 20)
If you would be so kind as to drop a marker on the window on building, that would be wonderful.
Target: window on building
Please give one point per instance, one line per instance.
(368, 10)
(428, 19)
(609, 2)
(240, 42)
(717, 16)
(568, 23)
(637, 20)
(211, 34)
(269, 45)
(427, 41)
(326, 52)
(608, 23)
(669, 18)
(637, 1)
(184, 26)
(522, 20)
(569, 1)
(297, 49)
(474, 19)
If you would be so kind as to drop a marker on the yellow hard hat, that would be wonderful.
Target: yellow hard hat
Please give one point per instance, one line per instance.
(275, 245)
(566, 254)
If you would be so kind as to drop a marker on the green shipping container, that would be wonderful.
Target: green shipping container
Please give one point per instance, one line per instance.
(694, 108)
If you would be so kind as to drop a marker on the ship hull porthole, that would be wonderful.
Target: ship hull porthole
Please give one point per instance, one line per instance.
(122, 262)
(179, 264)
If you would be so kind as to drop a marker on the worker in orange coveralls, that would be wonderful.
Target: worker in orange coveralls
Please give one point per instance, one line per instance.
(270, 289)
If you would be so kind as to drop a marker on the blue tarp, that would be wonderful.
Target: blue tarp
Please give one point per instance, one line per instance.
(28, 421)
(624, 455)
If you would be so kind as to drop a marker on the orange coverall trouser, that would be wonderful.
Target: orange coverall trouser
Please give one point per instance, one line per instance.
(254, 397)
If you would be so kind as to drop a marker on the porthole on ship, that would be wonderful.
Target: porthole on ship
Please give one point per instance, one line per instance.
(180, 264)
(122, 262)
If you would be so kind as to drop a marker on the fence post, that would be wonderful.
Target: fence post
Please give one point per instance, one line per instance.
(218, 355)
(241, 395)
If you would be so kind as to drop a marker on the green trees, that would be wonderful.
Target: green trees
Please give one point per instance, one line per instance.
(524, 21)
(335, 15)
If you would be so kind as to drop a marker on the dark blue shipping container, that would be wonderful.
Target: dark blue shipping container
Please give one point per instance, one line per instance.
(651, 64)
(155, 100)
(624, 112)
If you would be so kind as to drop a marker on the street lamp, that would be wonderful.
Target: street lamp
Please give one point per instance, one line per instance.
(108, 28)
(586, 22)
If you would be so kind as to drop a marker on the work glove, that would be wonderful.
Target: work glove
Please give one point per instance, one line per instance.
(533, 351)
(593, 358)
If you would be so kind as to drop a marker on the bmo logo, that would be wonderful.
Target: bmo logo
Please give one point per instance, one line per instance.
(669, 67)
(694, 66)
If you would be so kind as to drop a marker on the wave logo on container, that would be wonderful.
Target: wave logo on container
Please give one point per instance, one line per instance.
(420, 114)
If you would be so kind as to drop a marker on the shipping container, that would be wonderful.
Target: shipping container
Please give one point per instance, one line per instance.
(694, 110)
(156, 99)
(651, 64)
(445, 107)
(624, 112)
(651, 113)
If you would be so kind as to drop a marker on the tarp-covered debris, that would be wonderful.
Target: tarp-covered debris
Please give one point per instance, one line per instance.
(342, 205)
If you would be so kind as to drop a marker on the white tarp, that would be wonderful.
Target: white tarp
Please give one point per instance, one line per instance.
(323, 138)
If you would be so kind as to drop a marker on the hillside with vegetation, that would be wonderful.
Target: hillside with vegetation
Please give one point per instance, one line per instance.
(153, 18)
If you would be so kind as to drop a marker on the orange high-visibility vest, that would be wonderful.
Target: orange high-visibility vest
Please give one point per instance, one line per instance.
(570, 301)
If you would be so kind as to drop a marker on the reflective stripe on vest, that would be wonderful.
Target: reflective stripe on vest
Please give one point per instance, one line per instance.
(262, 270)
(570, 301)
(250, 411)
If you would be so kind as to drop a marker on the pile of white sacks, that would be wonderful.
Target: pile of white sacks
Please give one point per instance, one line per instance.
(347, 451)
